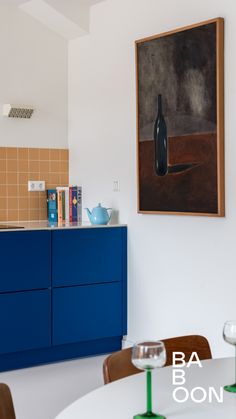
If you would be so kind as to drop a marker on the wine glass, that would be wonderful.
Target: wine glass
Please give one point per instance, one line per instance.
(147, 356)
(229, 335)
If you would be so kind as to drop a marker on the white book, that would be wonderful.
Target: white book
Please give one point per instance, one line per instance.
(67, 203)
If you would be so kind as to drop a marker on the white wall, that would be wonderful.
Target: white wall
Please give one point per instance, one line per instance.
(33, 72)
(182, 271)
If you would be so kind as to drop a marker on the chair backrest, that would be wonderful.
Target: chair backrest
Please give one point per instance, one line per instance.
(118, 365)
(6, 404)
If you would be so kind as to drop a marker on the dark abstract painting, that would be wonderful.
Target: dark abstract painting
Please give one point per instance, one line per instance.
(180, 121)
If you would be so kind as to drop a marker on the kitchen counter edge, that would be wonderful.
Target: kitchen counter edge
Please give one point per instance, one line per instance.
(34, 226)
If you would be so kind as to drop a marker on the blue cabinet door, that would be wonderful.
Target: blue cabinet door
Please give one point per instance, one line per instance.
(87, 313)
(25, 321)
(86, 256)
(25, 260)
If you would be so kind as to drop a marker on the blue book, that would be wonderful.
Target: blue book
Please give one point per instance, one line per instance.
(52, 206)
(74, 204)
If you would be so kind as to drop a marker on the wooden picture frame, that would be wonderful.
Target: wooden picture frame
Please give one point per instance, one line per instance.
(208, 200)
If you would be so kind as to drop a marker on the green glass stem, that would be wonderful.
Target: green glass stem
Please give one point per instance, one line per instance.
(235, 364)
(149, 391)
(232, 388)
(149, 414)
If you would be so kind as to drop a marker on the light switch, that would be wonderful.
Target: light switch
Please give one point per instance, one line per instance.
(116, 186)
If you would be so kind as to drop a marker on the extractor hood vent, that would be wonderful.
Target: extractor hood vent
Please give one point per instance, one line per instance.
(17, 111)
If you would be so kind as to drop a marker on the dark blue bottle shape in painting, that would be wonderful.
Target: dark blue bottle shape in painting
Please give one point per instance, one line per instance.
(160, 139)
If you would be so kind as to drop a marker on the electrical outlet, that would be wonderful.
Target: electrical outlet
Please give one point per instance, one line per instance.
(36, 185)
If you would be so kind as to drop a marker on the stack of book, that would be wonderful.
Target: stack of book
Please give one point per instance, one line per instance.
(64, 204)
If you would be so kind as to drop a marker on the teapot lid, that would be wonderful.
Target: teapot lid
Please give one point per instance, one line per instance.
(99, 206)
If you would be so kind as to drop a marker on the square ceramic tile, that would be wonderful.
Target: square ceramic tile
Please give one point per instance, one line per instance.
(23, 153)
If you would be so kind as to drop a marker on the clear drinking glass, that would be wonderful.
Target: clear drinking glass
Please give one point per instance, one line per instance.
(229, 335)
(147, 356)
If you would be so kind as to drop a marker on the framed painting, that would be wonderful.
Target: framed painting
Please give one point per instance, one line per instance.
(180, 121)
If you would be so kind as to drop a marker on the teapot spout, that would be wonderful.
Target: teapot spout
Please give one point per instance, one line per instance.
(89, 214)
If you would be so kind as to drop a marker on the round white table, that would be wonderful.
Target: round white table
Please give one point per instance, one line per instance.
(127, 397)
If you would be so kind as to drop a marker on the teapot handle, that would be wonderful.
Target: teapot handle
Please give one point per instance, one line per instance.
(109, 209)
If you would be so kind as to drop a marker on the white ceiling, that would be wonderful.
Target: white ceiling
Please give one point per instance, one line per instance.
(11, 2)
(68, 18)
(18, 2)
(94, 1)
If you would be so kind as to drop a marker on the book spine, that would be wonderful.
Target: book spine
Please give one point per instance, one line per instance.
(52, 205)
(65, 202)
(79, 204)
(74, 204)
(63, 205)
(70, 204)
(59, 194)
(67, 205)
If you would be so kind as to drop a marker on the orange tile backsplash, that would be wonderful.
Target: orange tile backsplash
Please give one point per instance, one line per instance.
(17, 166)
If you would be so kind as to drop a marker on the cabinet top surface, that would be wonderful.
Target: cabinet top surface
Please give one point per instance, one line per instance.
(44, 225)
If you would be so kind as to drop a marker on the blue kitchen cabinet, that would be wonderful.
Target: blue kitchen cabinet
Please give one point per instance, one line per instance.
(25, 260)
(87, 256)
(87, 312)
(25, 321)
(63, 294)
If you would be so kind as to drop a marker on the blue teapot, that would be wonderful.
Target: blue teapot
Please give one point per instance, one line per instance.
(99, 215)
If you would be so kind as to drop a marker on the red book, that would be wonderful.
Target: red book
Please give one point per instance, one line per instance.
(70, 204)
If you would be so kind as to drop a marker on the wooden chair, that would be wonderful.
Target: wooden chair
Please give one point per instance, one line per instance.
(118, 365)
(6, 404)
